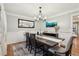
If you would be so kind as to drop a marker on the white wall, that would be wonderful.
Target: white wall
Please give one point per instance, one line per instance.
(15, 34)
(65, 24)
(0, 21)
(12, 24)
(0, 28)
(0, 34)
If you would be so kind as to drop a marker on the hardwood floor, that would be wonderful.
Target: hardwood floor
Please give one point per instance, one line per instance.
(75, 48)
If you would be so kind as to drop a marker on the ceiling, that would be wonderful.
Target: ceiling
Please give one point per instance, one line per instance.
(31, 9)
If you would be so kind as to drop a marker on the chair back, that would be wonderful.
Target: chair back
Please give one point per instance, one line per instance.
(27, 36)
(27, 39)
(32, 39)
(69, 46)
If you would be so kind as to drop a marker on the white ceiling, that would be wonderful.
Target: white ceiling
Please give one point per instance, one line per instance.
(48, 9)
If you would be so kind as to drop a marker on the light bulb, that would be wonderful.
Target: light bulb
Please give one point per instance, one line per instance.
(39, 16)
(35, 17)
(45, 17)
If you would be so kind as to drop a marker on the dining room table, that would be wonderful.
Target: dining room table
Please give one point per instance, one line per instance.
(48, 41)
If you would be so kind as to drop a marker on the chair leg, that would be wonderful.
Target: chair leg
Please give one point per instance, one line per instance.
(26, 46)
(30, 49)
(34, 51)
(43, 51)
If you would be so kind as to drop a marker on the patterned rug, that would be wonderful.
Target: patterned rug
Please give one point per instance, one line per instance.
(21, 50)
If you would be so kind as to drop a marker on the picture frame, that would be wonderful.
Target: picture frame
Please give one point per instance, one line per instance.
(25, 23)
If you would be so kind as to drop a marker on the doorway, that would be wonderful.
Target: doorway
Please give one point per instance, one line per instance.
(75, 25)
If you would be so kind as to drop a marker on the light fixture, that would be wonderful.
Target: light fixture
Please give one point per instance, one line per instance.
(40, 16)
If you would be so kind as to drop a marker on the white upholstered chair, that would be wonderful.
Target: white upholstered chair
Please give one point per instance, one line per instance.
(62, 51)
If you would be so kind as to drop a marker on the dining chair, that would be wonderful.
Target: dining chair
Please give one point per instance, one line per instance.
(60, 51)
(36, 46)
(27, 41)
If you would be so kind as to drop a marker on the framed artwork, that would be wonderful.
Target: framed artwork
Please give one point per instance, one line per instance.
(25, 23)
(51, 24)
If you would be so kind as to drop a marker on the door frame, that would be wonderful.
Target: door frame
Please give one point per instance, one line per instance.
(72, 20)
